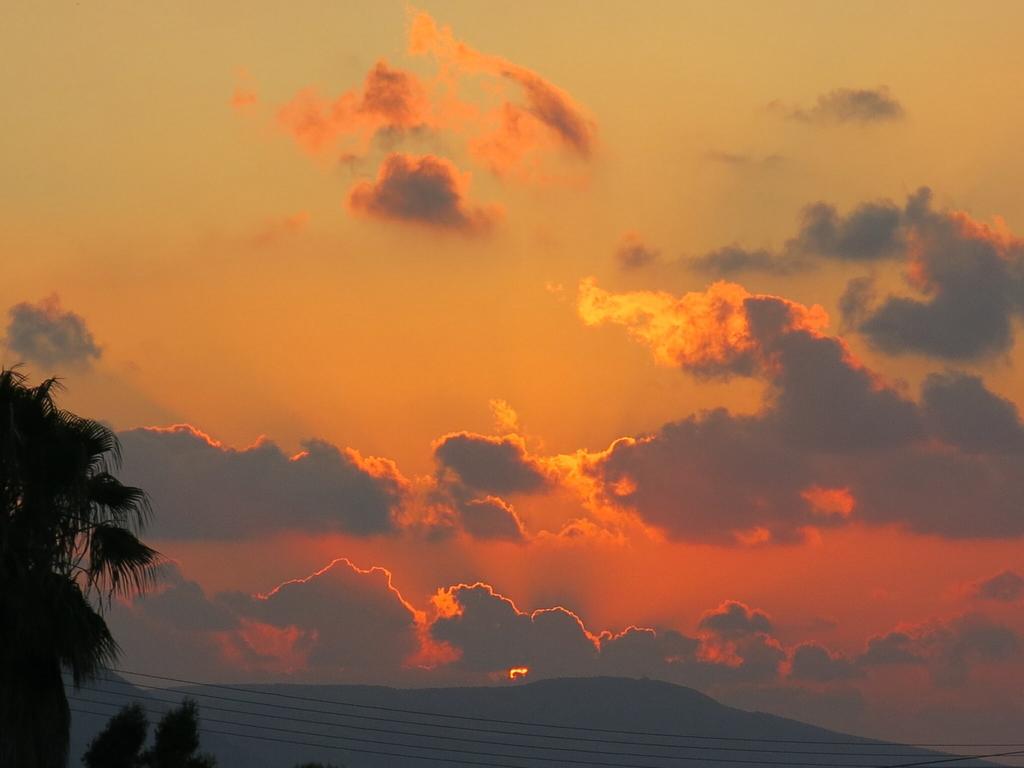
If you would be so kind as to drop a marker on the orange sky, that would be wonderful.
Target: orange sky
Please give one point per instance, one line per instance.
(481, 246)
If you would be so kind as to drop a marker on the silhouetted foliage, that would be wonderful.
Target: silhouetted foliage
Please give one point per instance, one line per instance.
(119, 744)
(67, 545)
(176, 742)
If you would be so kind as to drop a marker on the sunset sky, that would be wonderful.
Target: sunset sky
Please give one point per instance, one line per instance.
(675, 339)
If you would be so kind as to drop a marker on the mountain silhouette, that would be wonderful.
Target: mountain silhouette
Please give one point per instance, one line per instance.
(624, 719)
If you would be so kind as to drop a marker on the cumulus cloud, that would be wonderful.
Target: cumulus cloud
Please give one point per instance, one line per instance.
(341, 622)
(203, 489)
(491, 518)
(948, 649)
(733, 619)
(497, 465)
(49, 335)
(871, 232)
(969, 281)
(1005, 587)
(492, 634)
(348, 624)
(891, 648)
(827, 422)
(953, 647)
(965, 413)
(176, 630)
(633, 253)
(706, 333)
(814, 662)
(849, 105)
(423, 190)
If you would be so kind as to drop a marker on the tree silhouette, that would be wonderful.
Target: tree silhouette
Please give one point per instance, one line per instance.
(177, 741)
(175, 745)
(67, 545)
(119, 744)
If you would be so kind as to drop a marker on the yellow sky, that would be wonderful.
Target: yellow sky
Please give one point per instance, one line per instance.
(133, 190)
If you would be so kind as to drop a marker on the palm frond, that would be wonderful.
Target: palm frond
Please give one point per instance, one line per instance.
(82, 639)
(118, 503)
(120, 562)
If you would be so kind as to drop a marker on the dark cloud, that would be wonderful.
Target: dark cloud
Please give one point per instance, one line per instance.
(202, 489)
(851, 105)
(733, 619)
(1005, 587)
(869, 232)
(342, 622)
(830, 429)
(891, 648)
(687, 479)
(491, 635)
(970, 278)
(634, 253)
(46, 334)
(823, 401)
(949, 650)
(855, 302)
(176, 630)
(183, 603)
(494, 635)
(645, 652)
(491, 518)
(933, 490)
(814, 662)
(963, 412)
(423, 190)
(554, 108)
(733, 259)
(969, 639)
(496, 465)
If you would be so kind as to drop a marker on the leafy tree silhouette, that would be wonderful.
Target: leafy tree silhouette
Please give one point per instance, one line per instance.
(119, 744)
(177, 741)
(68, 544)
(175, 744)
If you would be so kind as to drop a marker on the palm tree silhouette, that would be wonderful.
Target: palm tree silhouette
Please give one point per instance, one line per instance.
(68, 545)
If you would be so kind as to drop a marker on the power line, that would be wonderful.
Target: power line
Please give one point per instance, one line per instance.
(592, 740)
(491, 742)
(542, 758)
(359, 750)
(528, 724)
(345, 750)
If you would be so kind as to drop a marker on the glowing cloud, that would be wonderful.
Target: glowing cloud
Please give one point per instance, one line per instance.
(390, 100)
(549, 115)
(708, 332)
